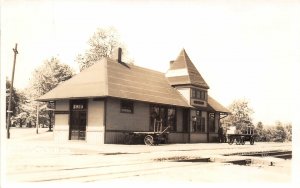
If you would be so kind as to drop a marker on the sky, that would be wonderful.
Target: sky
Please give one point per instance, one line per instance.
(243, 49)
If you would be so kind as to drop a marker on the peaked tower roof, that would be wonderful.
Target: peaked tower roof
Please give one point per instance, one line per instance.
(183, 72)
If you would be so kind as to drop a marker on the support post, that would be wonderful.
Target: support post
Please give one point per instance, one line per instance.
(37, 119)
(50, 120)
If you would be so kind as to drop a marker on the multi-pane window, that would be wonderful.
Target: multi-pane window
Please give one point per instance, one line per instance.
(198, 94)
(161, 117)
(198, 123)
(126, 106)
(211, 122)
(202, 95)
(193, 93)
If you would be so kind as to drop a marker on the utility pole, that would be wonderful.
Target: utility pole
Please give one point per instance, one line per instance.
(37, 119)
(9, 111)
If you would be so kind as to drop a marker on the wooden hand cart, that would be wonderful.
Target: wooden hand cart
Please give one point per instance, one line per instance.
(150, 138)
(240, 139)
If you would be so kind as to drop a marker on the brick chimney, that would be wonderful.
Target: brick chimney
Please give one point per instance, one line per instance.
(119, 55)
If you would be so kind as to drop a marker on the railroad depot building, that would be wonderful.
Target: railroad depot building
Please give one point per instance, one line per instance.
(111, 98)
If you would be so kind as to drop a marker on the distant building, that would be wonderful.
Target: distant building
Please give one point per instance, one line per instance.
(111, 97)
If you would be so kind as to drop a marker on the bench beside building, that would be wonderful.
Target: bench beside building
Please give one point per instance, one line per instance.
(111, 97)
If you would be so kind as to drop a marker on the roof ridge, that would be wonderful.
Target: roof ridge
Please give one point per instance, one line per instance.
(137, 66)
(186, 65)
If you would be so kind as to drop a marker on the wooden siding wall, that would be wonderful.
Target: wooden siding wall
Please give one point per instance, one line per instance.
(95, 122)
(137, 121)
(117, 122)
(198, 137)
(178, 138)
(61, 127)
(185, 92)
(213, 137)
(112, 137)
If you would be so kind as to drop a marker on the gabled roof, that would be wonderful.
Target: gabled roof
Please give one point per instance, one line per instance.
(91, 82)
(183, 72)
(108, 78)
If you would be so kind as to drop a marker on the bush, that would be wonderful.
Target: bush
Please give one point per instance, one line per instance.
(278, 133)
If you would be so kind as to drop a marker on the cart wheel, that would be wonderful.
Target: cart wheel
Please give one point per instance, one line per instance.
(242, 141)
(148, 140)
(252, 141)
(230, 142)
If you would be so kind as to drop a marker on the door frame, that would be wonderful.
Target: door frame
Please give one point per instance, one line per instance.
(78, 101)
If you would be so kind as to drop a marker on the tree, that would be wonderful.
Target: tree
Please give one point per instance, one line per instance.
(277, 133)
(288, 130)
(15, 102)
(46, 77)
(240, 116)
(269, 134)
(20, 119)
(259, 129)
(49, 75)
(103, 43)
(280, 134)
(18, 99)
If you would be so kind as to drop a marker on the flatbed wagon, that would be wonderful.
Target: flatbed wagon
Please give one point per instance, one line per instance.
(240, 139)
(149, 138)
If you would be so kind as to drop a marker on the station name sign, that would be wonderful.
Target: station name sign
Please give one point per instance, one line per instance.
(195, 102)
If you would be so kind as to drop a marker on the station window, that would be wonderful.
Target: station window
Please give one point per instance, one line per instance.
(198, 94)
(126, 106)
(193, 93)
(162, 117)
(198, 123)
(211, 122)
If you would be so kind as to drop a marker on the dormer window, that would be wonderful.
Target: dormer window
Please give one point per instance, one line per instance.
(193, 93)
(198, 94)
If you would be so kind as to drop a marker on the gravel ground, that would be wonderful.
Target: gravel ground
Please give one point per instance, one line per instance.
(36, 159)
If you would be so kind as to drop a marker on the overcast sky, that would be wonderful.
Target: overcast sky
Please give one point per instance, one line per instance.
(243, 49)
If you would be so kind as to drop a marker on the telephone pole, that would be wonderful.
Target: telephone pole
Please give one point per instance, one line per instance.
(9, 111)
(37, 118)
